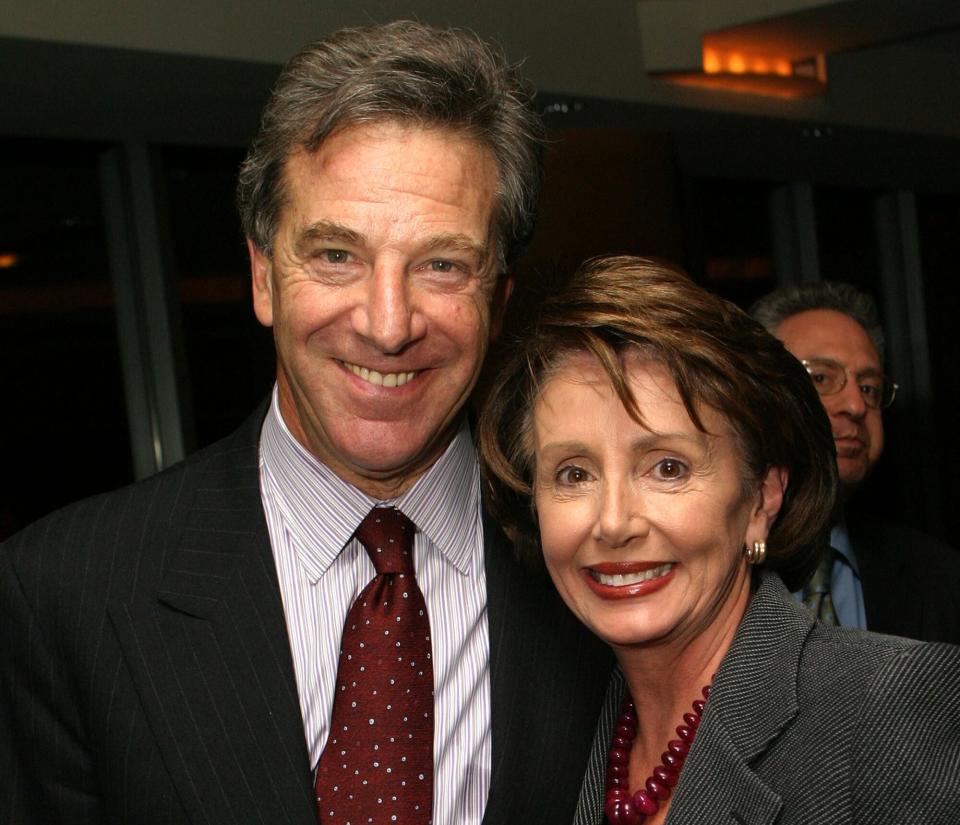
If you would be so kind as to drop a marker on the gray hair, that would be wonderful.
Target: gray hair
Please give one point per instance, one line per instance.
(773, 309)
(411, 73)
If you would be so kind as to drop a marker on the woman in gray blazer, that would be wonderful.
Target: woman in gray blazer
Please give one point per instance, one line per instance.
(672, 465)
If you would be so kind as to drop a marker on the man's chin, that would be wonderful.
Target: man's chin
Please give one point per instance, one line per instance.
(851, 472)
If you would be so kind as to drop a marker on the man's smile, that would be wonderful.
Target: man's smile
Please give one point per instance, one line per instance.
(380, 379)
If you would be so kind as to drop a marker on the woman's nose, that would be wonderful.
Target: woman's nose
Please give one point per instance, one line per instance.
(621, 516)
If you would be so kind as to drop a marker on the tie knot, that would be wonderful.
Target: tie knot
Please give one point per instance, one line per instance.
(387, 536)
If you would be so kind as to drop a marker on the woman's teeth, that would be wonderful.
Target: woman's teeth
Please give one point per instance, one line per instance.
(622, 579)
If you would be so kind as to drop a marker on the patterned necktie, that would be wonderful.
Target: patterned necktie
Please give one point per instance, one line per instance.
(816, 592)
(377, 766)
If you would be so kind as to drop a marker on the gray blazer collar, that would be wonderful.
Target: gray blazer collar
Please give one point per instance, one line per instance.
(755, 692)
(754, 697)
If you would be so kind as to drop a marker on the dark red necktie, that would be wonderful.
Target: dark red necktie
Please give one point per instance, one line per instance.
(377, 766)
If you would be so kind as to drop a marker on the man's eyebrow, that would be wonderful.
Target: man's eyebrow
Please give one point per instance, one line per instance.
(333, 232)
(866, 372)
(328, 232)
(457, 242)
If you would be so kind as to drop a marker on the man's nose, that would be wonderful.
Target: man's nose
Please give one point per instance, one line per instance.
(386, 314)
(849, 401)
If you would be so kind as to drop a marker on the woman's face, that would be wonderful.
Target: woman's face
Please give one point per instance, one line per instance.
(643, 527)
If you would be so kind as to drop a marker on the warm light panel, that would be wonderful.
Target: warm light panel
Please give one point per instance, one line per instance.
(718, 61)
(755, 72)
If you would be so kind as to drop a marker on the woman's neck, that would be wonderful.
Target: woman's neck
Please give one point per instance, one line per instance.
(665, 676)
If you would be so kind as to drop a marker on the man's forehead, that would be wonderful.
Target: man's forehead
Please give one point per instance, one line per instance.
(305, 153)
(458, 211)
(829, 334)
(381, 155)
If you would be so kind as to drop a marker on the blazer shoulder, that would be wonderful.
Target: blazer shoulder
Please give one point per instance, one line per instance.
(834, 656)
(107, 536)
(880, 536)
(872, 724)
(907, 766)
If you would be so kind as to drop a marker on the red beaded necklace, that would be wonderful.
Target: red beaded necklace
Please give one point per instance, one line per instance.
(624, 808)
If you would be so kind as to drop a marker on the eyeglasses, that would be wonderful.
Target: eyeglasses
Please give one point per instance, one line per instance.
(829, 378)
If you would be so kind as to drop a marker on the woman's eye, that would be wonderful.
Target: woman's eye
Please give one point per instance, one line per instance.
(573, 475)
(670, 469)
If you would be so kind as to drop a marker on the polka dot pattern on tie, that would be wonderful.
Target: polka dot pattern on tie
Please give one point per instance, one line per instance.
(377, 765)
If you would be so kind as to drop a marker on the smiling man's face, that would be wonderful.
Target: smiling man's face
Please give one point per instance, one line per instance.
(825, 334)
(383, 293)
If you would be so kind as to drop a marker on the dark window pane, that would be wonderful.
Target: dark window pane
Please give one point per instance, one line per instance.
(846, 234)
(938, 217)
(229, 355)
(606, 192)
(63, 426)
(730, 241)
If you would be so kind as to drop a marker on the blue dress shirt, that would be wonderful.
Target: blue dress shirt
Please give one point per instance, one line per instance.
(845, 587)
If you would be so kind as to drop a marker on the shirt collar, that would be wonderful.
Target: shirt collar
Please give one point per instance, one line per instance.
(840, 541)
(320, 511)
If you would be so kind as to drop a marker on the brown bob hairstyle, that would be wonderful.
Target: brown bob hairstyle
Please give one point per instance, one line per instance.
(718, 356)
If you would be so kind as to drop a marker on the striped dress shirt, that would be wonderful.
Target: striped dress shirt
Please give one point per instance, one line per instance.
(311, 516)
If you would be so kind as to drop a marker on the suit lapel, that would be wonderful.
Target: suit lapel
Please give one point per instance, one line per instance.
(754, 698)
(720, 786)
(210, 657)
(548, 675)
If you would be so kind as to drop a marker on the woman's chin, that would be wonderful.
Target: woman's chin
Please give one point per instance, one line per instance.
(620, 634)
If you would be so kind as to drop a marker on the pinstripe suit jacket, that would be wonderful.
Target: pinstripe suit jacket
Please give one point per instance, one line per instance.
(145, 672)
(813, 724)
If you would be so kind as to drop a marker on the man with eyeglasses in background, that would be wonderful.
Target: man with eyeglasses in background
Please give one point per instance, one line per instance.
(879, 575)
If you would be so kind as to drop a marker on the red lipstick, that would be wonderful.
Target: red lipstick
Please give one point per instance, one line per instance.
(626, 591)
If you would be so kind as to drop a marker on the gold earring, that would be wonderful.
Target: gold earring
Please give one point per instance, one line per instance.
(757, 553)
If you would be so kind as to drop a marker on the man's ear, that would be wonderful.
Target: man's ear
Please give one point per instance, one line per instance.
(261, 272)
(498, 304)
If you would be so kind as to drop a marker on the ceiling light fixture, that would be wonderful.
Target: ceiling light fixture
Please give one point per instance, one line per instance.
(755, 72)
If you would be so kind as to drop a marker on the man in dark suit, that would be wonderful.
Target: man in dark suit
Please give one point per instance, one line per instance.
(170, 651)
(882, 576)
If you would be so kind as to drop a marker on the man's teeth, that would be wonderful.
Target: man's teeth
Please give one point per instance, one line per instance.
(380, 379)
(619, 580)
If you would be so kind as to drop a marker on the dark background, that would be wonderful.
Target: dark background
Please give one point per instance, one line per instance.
(705, 189)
